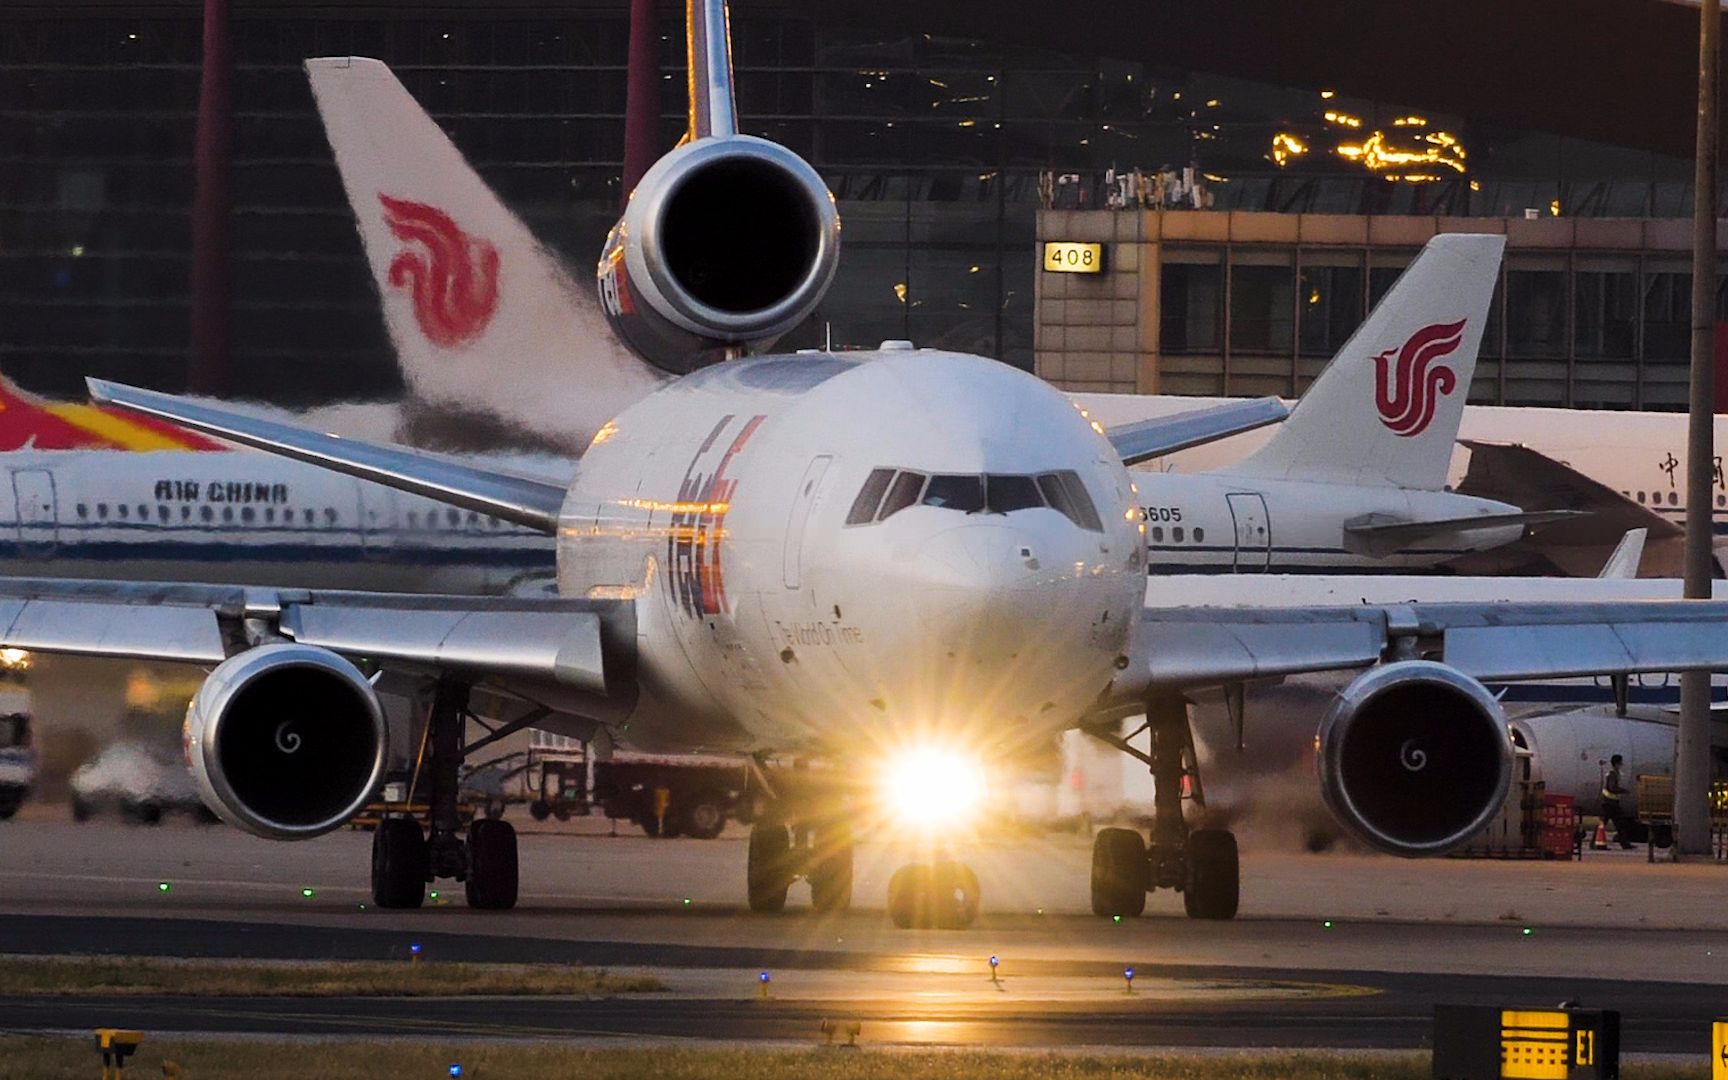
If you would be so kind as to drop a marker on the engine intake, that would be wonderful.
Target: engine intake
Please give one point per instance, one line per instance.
(726, 242)
(286, 741)
(1415, 757)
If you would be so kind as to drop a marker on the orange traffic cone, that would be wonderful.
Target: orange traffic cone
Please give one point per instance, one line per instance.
(1599, 842)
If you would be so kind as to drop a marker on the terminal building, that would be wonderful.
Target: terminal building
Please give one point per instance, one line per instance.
(1250, 206)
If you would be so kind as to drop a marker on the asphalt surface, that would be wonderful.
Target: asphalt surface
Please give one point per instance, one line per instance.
(1338, 952)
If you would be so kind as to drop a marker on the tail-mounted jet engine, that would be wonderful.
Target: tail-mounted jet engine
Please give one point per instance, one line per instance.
(1415, 757)
(727, 244)
(286, 741)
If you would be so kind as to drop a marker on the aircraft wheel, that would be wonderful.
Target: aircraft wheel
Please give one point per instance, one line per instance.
(401, 864)
(1214, 875)
(493, 877)
(1119, 873)
(703, 818)
(831, 871)
(769, 869)
(9, 803)
(539, 810)
(81, 810)
(944, 895)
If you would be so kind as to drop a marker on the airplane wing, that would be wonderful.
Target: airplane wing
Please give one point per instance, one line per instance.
(1147, 439)
(520, 499)
(1386, 537)
(1195, 648)
(523, 646)
(1533, 480)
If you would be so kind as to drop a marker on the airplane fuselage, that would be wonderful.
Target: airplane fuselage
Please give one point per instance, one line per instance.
(844, 550)
(246, 519)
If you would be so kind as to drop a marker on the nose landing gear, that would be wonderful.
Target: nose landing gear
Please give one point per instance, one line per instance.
(1201, 863)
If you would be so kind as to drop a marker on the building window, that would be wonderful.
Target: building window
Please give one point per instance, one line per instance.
(1191, 302)
(1329, 303)
(1262, 304)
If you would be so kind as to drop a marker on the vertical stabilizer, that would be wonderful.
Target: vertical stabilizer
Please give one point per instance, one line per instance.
(1386, 409)
(713, 106)
(484, 318)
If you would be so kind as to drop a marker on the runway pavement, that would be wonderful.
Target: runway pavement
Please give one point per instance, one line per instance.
(1611, 931)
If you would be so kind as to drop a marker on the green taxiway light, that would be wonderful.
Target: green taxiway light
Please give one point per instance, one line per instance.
(686, 901)
(434, 894)
(1528, 931)
(163, 886)
(1327, 924)
(1115, 918)
(308, 893)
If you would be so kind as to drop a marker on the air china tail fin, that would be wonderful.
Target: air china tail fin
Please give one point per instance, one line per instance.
(28, 422)
(483, 317)
(1386, 409)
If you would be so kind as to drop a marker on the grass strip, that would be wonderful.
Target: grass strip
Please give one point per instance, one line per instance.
(39, 1058)
(38, 976)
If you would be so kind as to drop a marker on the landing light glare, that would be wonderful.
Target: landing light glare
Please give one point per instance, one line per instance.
(933, 788)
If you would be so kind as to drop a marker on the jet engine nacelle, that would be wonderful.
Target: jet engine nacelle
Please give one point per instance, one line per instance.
(1415, 757)
(727, 242)
(286, 741)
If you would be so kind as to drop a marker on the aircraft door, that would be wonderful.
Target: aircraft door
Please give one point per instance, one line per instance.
(1253, 531)
(38, 531)
(808, 489)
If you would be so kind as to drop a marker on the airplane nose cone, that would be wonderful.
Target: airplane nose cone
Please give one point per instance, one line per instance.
(978, 559)
(981, 585)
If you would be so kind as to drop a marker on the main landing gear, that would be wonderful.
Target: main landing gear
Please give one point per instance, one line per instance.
(802, 832)
(1201, 863)
(405, 860)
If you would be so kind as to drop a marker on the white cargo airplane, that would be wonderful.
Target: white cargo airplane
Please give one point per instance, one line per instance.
(728, 581)
(1355, 481)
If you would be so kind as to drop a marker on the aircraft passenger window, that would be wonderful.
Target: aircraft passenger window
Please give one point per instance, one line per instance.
(270, 514)
(102, 510)
(330, 515)
(902, 494)
(185, 513)
(1176, 533)
(247, 513)
(307, 515)
(1673, 498)
(227, 513)
(1158, 534)
(125, 511)
(863, 510)
(453, 517)
(963, 493)
(1199, 535)
(143, 512)
(413, 519)
(205, 513)
(1722, 500)
(1004, 494)
(162, 512)
(1640, 496)
(83, 511)
(473, 519)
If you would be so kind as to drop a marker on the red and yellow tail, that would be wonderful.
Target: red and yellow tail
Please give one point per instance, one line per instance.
(29, 423)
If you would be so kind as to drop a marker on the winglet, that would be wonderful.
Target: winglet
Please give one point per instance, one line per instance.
(713, 108)
(1627, 555)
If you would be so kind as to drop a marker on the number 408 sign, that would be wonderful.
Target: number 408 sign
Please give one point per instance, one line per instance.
(1069, 257)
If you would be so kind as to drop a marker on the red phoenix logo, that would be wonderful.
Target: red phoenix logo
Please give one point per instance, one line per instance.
(453, 277)
(1408, 393)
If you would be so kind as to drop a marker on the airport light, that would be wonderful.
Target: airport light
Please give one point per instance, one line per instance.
(933, 788)
(308, 893)
(455, 1066)
(993, 977)
(1128, 978)
(163, 886)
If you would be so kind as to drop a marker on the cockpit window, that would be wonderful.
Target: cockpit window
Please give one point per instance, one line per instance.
(963, 493)
(1067, 495)
(1005, 494)
(902, 494)
(887, 492)
(869, 497)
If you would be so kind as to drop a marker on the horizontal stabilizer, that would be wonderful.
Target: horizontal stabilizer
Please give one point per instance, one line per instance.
(1147, 439)
(1380, 538)
(533, 503)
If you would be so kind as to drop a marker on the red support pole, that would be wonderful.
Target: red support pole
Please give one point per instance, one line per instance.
(212, 292)
(642, 96)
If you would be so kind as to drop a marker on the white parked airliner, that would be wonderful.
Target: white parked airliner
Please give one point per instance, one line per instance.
(838, 556)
